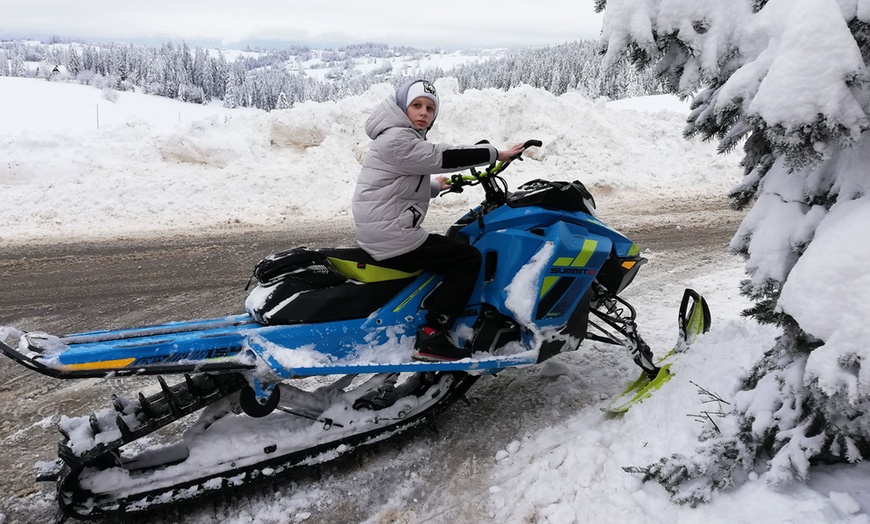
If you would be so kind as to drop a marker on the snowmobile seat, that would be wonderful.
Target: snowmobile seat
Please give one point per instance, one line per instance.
(323, 286)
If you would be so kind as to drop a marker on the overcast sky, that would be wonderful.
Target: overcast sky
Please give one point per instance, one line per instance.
(441, 23)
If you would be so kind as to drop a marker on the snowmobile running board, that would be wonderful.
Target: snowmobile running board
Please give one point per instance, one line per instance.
(31, 355)
(219, 345)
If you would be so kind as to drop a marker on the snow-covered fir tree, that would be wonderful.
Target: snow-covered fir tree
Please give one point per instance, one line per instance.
(283, 102)
(785, 79)
(230, 100)
(17, 67)
(73, 62)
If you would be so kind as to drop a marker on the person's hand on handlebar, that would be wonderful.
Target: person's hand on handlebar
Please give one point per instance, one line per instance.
(504, 156)
(509, 154)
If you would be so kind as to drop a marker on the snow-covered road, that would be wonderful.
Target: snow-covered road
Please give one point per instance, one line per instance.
(439, 477)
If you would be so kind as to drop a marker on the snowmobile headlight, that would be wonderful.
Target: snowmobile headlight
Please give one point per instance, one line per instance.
(617, 273)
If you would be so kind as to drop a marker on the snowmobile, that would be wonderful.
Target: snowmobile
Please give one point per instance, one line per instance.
(320, 363)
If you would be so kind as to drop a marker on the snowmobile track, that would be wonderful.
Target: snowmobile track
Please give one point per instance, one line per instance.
(178, 401)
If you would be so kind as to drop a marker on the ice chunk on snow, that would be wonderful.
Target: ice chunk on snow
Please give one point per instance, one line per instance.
(845, 503)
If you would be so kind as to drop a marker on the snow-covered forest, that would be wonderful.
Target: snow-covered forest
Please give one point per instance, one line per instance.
(278, 78)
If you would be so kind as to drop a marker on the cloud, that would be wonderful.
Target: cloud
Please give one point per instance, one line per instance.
(449, 23)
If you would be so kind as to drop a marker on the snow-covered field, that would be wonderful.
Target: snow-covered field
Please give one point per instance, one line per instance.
(551, 456)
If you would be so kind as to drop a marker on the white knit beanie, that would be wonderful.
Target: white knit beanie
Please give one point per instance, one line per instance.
(415, 89)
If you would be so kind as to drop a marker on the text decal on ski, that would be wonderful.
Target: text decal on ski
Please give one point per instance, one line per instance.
(552, 277)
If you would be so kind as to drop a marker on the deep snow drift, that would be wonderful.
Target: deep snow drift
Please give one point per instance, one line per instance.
(62, 177)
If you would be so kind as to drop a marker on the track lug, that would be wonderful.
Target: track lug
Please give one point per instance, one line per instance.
(171, 400)
(94, 423)
(146, 407)
(65, 453)
(117, 404)
(126, 433)
(192, 387)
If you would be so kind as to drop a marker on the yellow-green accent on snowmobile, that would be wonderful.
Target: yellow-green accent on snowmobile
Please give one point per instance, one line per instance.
(368, 273)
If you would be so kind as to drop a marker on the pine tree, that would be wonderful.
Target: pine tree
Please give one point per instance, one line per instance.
(72, 61)
(18, 68)
(89, 58)
(282, 103)
(798, 106)
(203, 68)
(219, 75)
(150, 67)
(230, 100)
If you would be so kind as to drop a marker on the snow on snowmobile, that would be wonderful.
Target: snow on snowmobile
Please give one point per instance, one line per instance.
(320, 365)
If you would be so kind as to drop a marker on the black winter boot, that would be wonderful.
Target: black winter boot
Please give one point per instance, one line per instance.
(435, 345)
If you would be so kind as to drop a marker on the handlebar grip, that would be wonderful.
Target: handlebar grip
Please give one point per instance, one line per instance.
(526, 145)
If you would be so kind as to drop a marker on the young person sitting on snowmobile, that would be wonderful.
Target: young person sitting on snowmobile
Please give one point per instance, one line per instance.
(391, 200)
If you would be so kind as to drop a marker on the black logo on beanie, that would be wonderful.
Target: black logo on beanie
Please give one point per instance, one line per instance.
(429, 88)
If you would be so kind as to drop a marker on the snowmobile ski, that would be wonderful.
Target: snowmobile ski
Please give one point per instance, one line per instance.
(693, 321)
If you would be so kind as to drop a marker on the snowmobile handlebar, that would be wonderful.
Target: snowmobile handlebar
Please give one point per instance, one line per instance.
(494, 186)
(457, 182)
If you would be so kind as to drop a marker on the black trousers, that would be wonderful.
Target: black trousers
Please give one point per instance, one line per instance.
(457, 261)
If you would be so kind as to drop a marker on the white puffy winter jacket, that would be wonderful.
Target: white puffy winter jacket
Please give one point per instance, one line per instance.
(394, 185)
